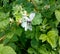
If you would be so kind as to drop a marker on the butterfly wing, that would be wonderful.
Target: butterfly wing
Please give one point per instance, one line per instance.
(32, 15)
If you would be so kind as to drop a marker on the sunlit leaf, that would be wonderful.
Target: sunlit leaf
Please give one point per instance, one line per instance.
(57, 14)
(43, 37)
(52, 37)
(6, 50)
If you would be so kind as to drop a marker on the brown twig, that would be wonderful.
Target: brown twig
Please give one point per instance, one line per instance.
(2, 38)
(35, 5)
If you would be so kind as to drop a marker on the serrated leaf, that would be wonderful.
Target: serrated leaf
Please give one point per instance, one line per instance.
(52, 37)
(37, 19)
(57, 14)
(43, 37)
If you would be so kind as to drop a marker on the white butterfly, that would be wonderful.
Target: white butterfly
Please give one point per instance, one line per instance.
(26, 21)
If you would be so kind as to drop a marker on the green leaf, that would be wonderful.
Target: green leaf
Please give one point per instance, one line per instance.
(6, 41)
(34, 43)
(4, 23)
(37, 19)
(31, 51)
(30, 34)
(43, 50)
(37, 33)
(58, 1)
(59, 51)
(11, 44)
(9, 36)
(44, 21)
(52, 52)
(1, 48)
(4, 19)
(52, 37)
(59, 41)
(6, 50)
(17, 12)
(14, 38)
(18, 31)
(52, 2)
(43, 37)
(57, 14)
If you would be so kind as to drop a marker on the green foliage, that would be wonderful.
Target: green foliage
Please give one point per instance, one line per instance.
(6, 50)
(43, 37)
(29, 26)
(4, 21)
(37, 20)
(51, 38)
(57, 13)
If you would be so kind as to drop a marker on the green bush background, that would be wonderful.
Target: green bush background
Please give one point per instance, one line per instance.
(44, 37)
